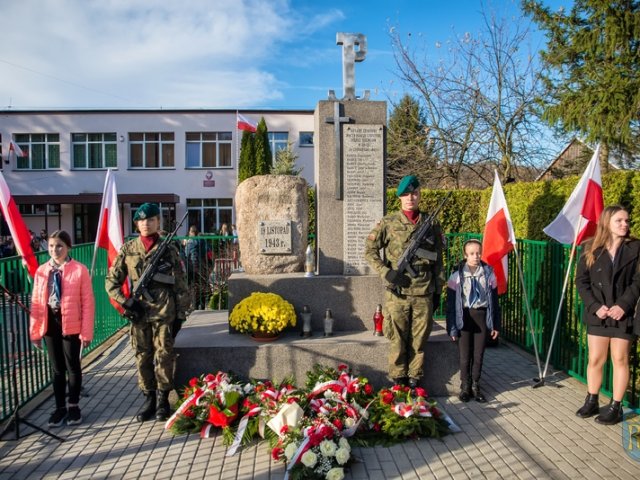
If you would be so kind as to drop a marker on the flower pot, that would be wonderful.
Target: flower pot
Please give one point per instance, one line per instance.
(264, 337)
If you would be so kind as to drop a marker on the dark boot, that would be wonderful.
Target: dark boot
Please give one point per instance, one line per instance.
(590, 407)
(163, 411)
(612, 414)
(465, 391)
(477, 393)
(148, 408)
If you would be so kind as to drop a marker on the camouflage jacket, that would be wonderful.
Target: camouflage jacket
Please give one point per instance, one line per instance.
(170, 295)
(391, 235)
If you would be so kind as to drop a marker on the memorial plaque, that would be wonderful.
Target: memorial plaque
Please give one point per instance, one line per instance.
(363, 160)
(274, 237)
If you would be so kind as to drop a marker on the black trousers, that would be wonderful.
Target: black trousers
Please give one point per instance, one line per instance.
(471, 344)
(64, 356)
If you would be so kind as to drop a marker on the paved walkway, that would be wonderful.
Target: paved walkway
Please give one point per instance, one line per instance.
(521, 433)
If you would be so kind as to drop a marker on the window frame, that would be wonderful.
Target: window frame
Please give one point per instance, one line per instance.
(160, 147)
(48, 148)
(202, 142)
(87, 143)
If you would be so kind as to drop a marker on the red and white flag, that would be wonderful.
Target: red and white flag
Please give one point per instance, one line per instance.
(15, 148)
(499, 238)
(19, 231)
(245, 124)
(110, 235)
(579, 217)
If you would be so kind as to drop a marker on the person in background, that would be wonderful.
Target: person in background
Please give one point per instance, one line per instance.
(236, 248)
(223, 248)
(62, 313)
(608, 282)
(197, 272)
(409, 302)
(473, 314)
(44, 241)
(154, 321)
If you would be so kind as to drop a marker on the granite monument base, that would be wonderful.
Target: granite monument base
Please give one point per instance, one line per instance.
(204, 345)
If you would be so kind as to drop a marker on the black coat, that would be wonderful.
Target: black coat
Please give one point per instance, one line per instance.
(610, 283)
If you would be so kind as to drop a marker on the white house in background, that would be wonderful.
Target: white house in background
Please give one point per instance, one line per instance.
(181, 159)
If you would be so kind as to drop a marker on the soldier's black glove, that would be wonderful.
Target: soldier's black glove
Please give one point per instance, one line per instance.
(133, 310)
(397, 278)
(176, 326)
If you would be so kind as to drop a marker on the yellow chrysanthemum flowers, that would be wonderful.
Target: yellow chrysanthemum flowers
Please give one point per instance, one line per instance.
(262, 312)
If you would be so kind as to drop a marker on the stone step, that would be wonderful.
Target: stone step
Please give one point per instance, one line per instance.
(204, 345)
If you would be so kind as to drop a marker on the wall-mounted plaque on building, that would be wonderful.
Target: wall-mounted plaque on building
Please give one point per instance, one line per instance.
(274, 236)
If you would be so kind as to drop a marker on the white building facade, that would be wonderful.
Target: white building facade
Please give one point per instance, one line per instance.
(184, 160)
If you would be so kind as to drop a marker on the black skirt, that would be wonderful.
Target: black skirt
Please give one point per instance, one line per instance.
(623, 330)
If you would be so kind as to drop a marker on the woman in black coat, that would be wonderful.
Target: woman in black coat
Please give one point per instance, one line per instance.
(608, 282)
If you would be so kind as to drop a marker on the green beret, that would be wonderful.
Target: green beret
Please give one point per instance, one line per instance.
(146, 210)
(407, 185)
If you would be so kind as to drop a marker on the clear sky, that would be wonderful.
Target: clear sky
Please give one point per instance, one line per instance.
(211, 53)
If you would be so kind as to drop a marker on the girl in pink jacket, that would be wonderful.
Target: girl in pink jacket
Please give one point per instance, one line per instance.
(62, 310)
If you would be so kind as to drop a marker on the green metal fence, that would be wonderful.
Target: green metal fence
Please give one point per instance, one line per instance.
(543, 267)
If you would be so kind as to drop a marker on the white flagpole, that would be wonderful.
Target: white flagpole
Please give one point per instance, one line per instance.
(528, 307)
(564, 290)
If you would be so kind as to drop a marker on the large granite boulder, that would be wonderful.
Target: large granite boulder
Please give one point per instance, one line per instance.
(266, 198)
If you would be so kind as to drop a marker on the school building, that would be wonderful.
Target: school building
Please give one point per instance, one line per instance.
(184, 160)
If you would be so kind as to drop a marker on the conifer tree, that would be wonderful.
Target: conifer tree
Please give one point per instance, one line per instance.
(247, 163)
(408, 150)
(592, 77)
(286, 162)
(262, 150)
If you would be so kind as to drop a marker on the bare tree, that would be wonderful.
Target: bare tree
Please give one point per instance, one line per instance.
(479, 100)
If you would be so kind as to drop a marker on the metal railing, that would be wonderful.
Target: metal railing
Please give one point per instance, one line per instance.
(543, 266)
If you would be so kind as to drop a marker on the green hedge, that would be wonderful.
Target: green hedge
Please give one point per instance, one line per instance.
(532, 205)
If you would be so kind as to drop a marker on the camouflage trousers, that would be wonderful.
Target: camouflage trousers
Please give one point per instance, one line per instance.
(407, 325)
(152, 344)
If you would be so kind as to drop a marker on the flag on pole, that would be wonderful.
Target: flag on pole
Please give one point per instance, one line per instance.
(15, 148)
(245, 124)
(578, 218)
(19, 231)
(499, 238)
(110, 236)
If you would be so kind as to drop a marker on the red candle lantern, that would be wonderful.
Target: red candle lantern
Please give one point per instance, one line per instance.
(378, 318)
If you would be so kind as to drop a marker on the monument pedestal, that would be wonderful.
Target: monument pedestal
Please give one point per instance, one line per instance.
(352, 299)
(204, 345)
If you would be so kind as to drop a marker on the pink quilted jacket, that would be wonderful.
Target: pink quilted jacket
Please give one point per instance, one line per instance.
(77, 304)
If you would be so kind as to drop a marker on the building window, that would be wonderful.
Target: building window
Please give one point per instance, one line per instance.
(30, 209)
(93, 150)
(42, 151)
(208, 214)
(151, 150)
(278, 141)
(306, 139)
(208, 149)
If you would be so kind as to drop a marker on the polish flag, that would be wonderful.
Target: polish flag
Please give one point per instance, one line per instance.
(578, 218)
(245, 124)
(110, 235)
(15, 148)
(19, 231)
(499, 238)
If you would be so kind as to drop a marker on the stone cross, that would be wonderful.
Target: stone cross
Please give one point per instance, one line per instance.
(349, 57)
(337, 120)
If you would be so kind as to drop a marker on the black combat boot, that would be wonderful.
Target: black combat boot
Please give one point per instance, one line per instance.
(163, 411)
(465, 391)
(590, 407)
(148, 408)
(477, 393)
(611, 415)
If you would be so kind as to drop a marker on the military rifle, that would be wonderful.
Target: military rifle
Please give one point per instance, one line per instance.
(423, 234)
(132, 307)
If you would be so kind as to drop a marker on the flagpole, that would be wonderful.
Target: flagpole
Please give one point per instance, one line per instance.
(528, 309)
(564, 291)
(100, 220)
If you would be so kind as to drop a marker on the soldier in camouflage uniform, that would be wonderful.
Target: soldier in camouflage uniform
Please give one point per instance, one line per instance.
(155, 321)
(409, 302)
